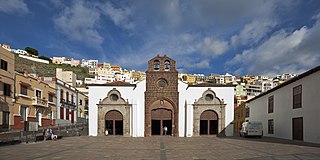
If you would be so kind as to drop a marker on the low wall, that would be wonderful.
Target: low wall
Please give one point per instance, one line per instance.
(34, 59)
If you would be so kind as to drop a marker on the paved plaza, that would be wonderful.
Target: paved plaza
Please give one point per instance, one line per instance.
(200, 148)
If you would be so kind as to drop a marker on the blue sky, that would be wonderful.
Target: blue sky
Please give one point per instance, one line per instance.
(204, 36)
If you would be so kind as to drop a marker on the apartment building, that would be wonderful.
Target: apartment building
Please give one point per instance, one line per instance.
(34, 102)
(6, 46)
(68, 76)
(240, 113)
(89, 63)
(6, 89)
(72, 62)
(58, 60)
(82, 107)
(67, 100)
(190, 79)
(253, 89)
(136, 75)
(240, 90)
(19, 51)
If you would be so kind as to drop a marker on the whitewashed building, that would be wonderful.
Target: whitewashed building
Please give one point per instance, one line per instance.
(290, 110)
(145, 108)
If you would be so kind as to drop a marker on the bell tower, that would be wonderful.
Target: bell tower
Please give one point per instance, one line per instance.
(161, 97)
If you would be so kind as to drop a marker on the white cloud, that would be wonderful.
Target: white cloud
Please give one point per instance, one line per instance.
(120, 16)
(198, 31)
(284, 51)
(13, 6)
(186, 64)
(212, 46)
(204, 64)
(253, 32)
(176, 15)
(79, 22)
(187, 37)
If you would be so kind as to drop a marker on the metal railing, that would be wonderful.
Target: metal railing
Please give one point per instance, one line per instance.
(39, 102)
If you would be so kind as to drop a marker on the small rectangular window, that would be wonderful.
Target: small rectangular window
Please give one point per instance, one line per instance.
(24, 90)
(5, 119)
(297, 97)
(23, 113)
(61, 113)
(270, 104)
(247, 112)
(50, 97)
(6, 89)
(4, 65)
(270, 126)
(38, 94)
(80, 102)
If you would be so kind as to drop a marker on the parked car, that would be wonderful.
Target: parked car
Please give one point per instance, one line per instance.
(253, 129)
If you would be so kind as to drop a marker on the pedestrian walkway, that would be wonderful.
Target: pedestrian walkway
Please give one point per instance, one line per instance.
(160, 147)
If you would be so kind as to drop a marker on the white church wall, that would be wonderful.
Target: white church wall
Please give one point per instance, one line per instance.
(182, 115)
(100, 92)
(135, 96)
(188, 95)
(138, 114)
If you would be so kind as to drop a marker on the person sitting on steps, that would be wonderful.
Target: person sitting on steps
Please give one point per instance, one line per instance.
(52, 135)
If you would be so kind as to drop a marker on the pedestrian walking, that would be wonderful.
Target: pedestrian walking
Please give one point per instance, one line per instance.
(165, 129)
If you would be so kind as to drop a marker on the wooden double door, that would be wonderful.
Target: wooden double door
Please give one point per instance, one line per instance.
(114, 123)
(208, 123)
(161, 118)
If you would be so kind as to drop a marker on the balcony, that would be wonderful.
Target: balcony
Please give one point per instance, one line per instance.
(22, 95)
(51, 103)
(40, 102)
(68, 104)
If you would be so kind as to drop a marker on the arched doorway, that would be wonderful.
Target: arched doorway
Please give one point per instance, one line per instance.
(114, 123)
(161, 118)
(208, 123)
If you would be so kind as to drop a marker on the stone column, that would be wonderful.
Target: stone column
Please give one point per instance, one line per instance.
(196, 121)
(127, 121)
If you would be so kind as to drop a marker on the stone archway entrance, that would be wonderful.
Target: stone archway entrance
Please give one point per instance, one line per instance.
(114, 115)
(161, 118)
(208, 114)
(114, 123)
(209, 123)
(161, 113)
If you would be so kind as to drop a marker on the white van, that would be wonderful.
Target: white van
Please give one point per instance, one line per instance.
(251, 129)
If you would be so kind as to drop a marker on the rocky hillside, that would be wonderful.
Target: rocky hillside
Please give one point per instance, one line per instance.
(47, 70)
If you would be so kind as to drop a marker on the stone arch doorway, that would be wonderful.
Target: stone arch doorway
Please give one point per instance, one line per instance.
(208, 114)
(114, 109)
(209, 123)
(161, 113)
(114, 122)
(161, 118)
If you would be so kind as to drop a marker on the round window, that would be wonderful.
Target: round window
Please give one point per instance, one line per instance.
(162, 83)
(114, 97)
(209, 97)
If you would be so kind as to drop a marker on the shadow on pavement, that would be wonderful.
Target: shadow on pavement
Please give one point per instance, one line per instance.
(273, 140)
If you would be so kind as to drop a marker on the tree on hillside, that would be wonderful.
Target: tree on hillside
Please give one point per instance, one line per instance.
(31, 51)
